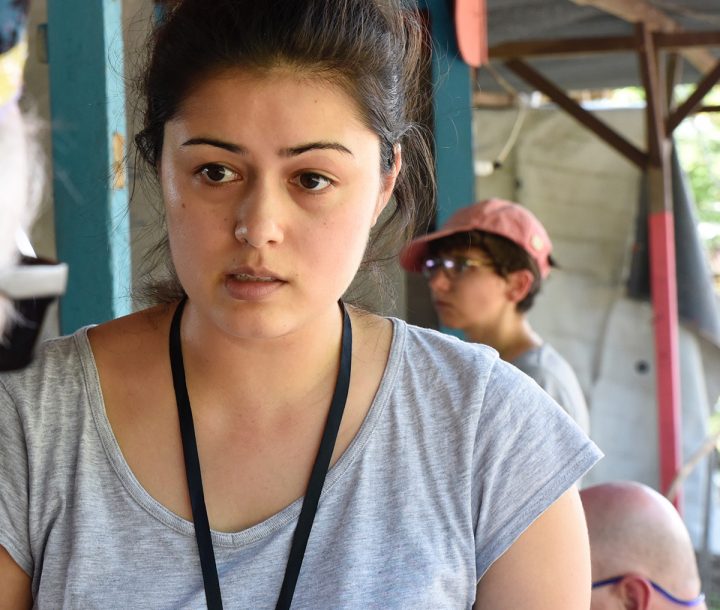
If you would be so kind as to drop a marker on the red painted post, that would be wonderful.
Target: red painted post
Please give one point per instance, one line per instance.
(667, 365)
(663, 282)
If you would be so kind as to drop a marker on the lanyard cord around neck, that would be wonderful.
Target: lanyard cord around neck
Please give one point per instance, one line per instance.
(315, 485)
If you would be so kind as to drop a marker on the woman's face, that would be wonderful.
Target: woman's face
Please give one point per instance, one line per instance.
(271, 185)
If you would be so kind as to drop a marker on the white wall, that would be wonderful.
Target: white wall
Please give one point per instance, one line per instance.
(586, 195)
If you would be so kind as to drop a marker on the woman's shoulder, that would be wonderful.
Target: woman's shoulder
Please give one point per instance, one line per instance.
(432, 367)
(472, 373)
(55, 360)
(421, 338)
(64, 366)
(432, 349)
(131, 332)
(45, 400)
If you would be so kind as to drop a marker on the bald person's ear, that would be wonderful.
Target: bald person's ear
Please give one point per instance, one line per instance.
(635, 592)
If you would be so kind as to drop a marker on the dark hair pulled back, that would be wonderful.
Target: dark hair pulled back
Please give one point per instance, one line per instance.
(374, 49)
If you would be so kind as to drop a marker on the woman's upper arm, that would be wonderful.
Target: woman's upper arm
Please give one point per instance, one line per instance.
(547, 567)
(14, 584)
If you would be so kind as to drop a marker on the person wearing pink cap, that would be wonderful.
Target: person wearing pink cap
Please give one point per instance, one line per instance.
(484, 267)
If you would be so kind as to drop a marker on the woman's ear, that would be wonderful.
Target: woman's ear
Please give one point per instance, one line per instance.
(519, 284)
(388, 183)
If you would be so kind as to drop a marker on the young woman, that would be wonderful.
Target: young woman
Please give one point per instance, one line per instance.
(254, 442)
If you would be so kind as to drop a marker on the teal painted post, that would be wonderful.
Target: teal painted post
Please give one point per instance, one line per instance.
(159, 12)
(452, 110)
(87, 104)
(452, 104)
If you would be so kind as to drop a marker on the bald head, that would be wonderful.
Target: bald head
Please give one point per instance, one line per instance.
(634, 529)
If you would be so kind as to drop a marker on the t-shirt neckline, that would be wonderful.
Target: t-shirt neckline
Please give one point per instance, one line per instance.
(273, 523)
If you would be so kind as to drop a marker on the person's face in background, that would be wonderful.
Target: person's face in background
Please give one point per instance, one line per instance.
(472, 300)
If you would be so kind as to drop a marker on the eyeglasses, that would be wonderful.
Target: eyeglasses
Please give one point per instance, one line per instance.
(666, 594)
(451, 266)
(32, 285)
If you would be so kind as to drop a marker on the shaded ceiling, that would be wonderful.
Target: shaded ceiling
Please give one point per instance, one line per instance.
(521, 20)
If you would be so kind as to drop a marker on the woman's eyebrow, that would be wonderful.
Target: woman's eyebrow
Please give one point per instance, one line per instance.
(292, 151)
(229, 146)
(303, 148)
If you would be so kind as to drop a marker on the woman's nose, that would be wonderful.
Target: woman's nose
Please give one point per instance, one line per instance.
(259, 220)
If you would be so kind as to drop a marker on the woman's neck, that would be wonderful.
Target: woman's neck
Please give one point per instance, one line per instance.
(261, 376)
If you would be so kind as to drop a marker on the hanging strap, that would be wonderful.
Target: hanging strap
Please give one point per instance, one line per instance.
(192, 467)
(319, 471)
(315, 485)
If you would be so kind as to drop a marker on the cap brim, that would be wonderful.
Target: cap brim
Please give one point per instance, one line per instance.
(415, 253)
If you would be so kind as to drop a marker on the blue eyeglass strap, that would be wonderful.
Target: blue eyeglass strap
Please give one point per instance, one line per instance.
(666, 594)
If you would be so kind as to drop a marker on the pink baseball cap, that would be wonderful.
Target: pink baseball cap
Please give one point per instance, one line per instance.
(504, 218)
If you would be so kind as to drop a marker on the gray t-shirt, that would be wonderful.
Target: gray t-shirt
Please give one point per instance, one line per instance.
(456, 457)
(555, 375)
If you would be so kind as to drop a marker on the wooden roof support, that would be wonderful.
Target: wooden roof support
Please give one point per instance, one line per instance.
(686, 40)
(654, 94)
(695, 98)
(589, 120)
(641, 11)
(564, 47)
(673, 76)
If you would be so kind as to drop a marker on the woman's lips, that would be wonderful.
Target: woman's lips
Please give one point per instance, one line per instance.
(251, 286)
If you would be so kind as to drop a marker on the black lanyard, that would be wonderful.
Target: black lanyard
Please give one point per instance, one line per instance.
(317, 477)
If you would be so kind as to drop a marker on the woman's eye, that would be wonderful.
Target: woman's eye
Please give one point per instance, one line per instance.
(313, 182)
(218, 174)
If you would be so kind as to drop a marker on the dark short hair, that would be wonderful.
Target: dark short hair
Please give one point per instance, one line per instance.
(505, 257)
(375, 50)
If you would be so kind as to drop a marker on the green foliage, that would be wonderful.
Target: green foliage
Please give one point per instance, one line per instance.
(698, 142)
(698, 145)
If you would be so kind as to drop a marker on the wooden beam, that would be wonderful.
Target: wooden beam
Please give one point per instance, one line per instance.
(609, 135)
(564, 47)
(694, 99)
(655, 107)
(655, 20)
(673, 77)
(686, 40)
(634, 11)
